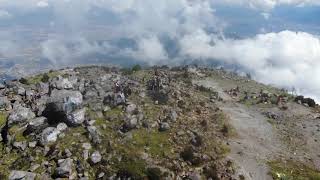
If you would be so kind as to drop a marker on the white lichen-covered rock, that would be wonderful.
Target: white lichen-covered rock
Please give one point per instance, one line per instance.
(76, 118)
(65, 100)
(49, 135)
(95, 157)
(20, 114)
(21, 175)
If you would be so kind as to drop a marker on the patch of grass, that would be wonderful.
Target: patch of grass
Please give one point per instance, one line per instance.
(156, 142)
(3, 118)
(71, 139)
(17, 132)
(290, 170)
(42, 77)
(7, 159)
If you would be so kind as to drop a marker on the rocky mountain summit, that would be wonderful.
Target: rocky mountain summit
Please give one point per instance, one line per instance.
(156, 123)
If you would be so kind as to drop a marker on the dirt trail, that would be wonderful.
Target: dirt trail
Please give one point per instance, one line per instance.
(256, 140)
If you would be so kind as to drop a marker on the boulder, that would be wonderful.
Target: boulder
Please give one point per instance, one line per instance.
(19, 90)
(65, 100)
(60, 104)
(49, 135)
(21, 175)
(76, 118)
(61, 83)
(64, 169)
(95, 157)
(36, 125)
(4, 102)
(20, 114)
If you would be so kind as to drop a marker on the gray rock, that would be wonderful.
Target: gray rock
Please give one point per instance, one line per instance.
(29, 94)
(20, 90)
(20, 145)
(62, 83)
(85, 154)
(68, 153)
(36, 125)
(101, 175)
(66, 101)
(64, 169)
(131, 108)
(20, 114)
(86, 146)
(62, 127)
(94, 134)
(173, 116)
(131, 122)
(91, 94)
(76, 118)
(106, 109)
(194, 176)
(49, 135)
(164, 126)
(95, 157)
(21, 175)
(32, 144)
(4, 102)
(42, 88)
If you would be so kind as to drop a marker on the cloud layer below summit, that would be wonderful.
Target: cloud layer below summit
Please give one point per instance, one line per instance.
(274, 40)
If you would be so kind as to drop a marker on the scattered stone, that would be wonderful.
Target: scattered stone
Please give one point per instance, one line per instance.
(62, 83)
(95, 157)
(76, 118)
(62, 127)
(34, 167)
(68, 153)
(21, 175)
(4, 102)
(131, 108)
(94, 134)
(164, 126)
(131, 122)
(100, 175)
(86, 146)
(64, 169)
(32, 144)
(85, 154)
(49, 135)
(20, 145)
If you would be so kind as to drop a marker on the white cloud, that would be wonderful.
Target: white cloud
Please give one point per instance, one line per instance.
(4, 14)
(289, 59)
(43, 4)
(151, 50)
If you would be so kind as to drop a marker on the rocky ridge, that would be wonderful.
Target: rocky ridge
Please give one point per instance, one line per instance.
(110, 123)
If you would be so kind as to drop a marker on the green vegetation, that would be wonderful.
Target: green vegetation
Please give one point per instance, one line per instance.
(130, 71)
(155, 142)
(41, 78)
(3, 118)
(292, 171)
